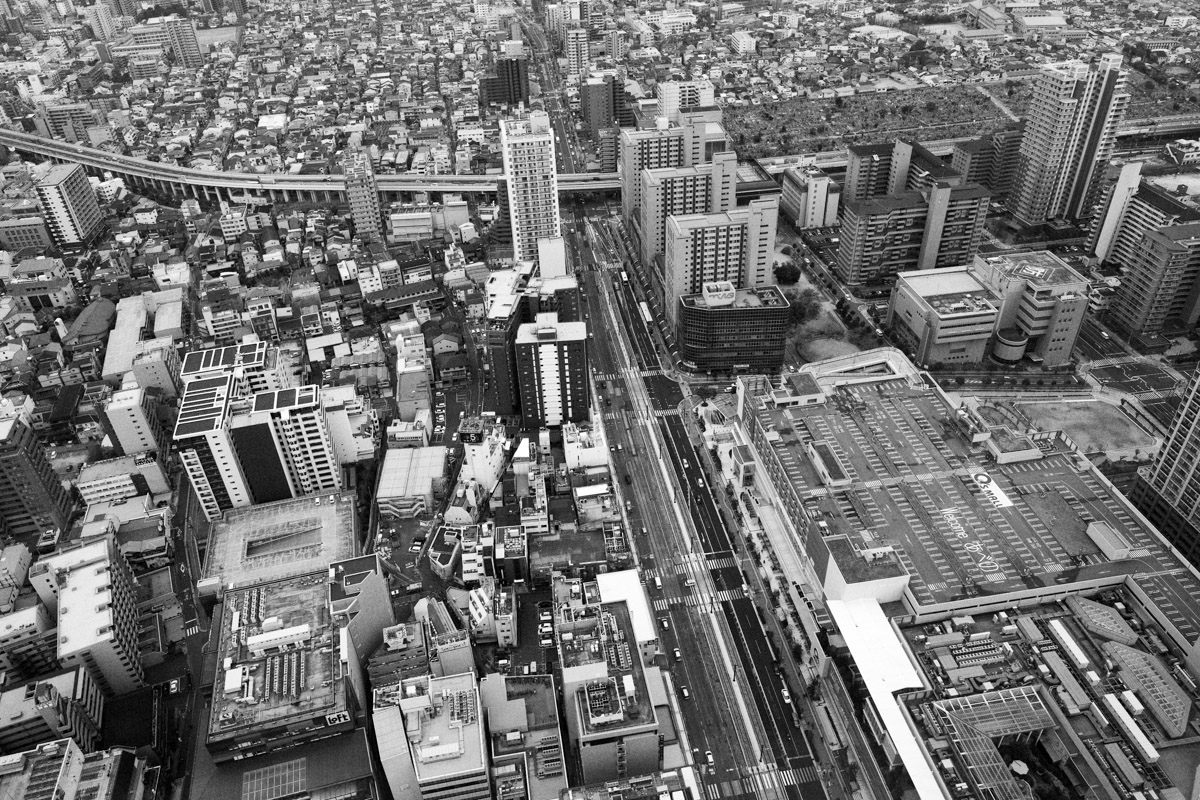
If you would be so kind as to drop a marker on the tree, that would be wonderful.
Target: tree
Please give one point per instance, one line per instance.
(787, 273)
(806, 306)
(705, 392)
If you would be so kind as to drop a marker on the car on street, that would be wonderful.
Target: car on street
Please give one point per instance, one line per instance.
(683, 690)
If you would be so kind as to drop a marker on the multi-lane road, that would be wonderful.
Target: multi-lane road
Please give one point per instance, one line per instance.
(735, 709)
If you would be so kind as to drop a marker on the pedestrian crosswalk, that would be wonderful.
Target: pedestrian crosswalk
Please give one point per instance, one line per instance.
(761, 782)
(721, 563)
(670, 412)
(698, 600)
(613, 376)
(191, 630)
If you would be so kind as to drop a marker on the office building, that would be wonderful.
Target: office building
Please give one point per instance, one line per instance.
(882, 236)
(810, 199)
(552, 371)
(283, 443)
(92, 588)
(22, 232)
(285, 651)
(205, 447)
(724, 329)
(132, 420)
(611, 715)
(532, 182)
(575, 44)
(69, 205)
(431, 738)
(737, 246)
(677, 96)
(1069, 133)
(1168, 492)
(943, 316)
(1042, 300)
(1160, 286)
(28, 643)
(32, 498)
(677, 191)
(66, 704)
(60, 770)
(526, 739)
(363, 197)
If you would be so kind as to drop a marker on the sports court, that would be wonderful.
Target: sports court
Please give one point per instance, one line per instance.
(1137, 377)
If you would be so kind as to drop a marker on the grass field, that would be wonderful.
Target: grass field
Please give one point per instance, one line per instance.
(1093, 425)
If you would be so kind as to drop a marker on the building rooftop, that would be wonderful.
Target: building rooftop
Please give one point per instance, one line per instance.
(950, 288)
(278, 658)
(204, 406)
(522, 713)
(993, 676)
(283, 399)
(447, 735)
(19, 703)
(408, 471)
(277, 540)
(762, 297)
(198, 362)
(963, 528)
(642, 787)
(59, 769)
(601, 636)
(1040, 268)
(109, 468)
(85, 614)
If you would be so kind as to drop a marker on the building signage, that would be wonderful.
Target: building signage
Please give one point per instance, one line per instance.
(994, 494)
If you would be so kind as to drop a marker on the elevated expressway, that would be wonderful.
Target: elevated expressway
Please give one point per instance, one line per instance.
(212, 186)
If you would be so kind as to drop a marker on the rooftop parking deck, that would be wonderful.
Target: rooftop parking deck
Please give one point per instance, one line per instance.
(961, 525)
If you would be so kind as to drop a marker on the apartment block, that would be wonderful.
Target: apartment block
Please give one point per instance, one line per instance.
(677, 191)
(206, 447)
(1160, 287)
(737, 246)
(284, 446)
(1071, 126)
(811, 199)
(552, 371)
(32, 498)
(531, 174)
(885, 235)
(93, 588)
(69, 205)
